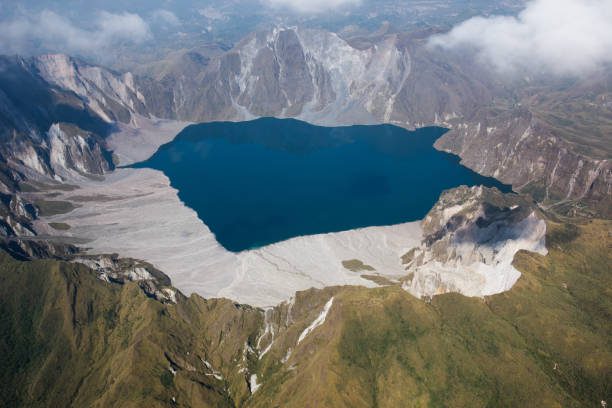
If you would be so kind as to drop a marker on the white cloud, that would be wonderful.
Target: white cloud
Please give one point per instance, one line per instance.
(311, 6)
(48, 31)
(212, 14)
(560, 37)
(165, 17)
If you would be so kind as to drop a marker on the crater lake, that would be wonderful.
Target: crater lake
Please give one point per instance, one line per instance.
(263, 181)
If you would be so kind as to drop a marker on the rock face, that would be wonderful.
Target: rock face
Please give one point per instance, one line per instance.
(513, 131)
(311, 74)
(47, 133)
(470, 239)
(516, 133)
(320, 77)
(112, 96)
(111, 268)
(18, 234)
(17, 214)
(520, 149)
(46, 129)
(74, 150)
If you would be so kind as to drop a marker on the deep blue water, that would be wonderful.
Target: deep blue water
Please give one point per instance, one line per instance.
(264, 181)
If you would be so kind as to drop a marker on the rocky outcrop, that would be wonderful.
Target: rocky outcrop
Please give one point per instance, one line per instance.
(73, 150)
(65, 151)
(112, 96)
(18, 235)
(17, 216)
(46, 125)
(470, 239)
(47, 133)
(111, 268)
(519, 149)
(310, 74)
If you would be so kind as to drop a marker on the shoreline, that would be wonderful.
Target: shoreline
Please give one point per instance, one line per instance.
(142, 217)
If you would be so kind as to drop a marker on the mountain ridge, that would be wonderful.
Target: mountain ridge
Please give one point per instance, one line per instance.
(529, 345)
(395, 80)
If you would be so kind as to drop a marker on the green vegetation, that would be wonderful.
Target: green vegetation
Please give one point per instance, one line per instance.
(49, 208)
(60, 226)
(69, 339)
(355, 265)
(589, 130)
(379, 280)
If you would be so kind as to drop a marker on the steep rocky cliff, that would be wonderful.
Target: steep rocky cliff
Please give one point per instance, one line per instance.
(520, 149)
(470, 239)
(112, 96)
(47, 134)
(528, 133)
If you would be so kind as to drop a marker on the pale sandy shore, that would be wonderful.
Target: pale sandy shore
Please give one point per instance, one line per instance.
(136, 213)
(140, 140)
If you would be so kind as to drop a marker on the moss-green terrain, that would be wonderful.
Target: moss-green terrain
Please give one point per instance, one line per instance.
(355, 265)
(70, 339)
(51, 207)
(60, 226)
(547, 342)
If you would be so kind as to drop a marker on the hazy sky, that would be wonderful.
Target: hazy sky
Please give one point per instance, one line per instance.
(559, 37)
(96, 27)
(49, 30)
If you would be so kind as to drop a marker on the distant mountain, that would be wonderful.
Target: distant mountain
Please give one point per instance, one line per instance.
(512, 131)
(546, 138)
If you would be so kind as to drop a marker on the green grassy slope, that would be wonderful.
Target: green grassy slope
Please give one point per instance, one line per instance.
(547, 342)
(69, 339)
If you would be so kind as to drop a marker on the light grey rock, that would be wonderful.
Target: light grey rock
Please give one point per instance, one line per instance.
(470, 238)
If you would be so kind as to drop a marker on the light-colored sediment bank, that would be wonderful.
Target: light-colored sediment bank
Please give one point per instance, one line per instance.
(136, 213)
(139, 140)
